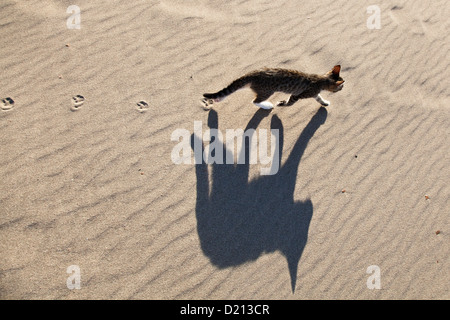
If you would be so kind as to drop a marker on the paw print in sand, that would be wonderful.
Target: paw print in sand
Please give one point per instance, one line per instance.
(77, 102)
(7, 104)
(207, 103)
(142, 106)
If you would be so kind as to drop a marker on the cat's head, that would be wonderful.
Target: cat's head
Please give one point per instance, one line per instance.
(335, 83)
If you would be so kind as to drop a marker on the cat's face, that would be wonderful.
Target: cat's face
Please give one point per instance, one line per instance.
(337, 86)
(336, 83)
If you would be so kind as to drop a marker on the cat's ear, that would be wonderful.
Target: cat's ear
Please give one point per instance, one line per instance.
(336, 70)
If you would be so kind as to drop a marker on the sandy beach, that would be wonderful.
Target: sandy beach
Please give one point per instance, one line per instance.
(93, 205)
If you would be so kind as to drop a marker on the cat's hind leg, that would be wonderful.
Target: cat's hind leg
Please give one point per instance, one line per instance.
(261, 100)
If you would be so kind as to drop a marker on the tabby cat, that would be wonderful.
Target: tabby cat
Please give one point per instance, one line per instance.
(267, 81)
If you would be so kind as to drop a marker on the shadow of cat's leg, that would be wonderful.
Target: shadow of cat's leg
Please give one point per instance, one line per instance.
(290, 167)
(221, 170)
(244, 156)
(201, 172)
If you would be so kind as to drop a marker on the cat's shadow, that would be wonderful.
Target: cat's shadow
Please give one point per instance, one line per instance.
(239, 220)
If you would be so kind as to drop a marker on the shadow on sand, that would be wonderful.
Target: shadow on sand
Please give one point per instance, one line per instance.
(238, 220)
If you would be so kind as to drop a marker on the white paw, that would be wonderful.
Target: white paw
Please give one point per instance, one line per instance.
(325, 103)
(264, 105)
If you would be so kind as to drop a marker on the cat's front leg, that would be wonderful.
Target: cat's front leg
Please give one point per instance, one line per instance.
(321, 100)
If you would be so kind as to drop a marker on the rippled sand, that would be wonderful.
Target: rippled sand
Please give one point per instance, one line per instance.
(86, 118)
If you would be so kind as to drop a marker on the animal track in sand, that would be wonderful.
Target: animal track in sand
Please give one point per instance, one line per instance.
(207, 103)
(142, 106)
(77, 102)
(7, 104)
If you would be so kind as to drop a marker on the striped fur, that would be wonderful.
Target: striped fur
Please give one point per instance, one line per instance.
(234, 86)
(267, 81)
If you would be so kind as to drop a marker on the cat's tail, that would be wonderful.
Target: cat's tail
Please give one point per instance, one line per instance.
(234, 86)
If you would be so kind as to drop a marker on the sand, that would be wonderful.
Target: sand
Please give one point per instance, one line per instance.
(359, 208)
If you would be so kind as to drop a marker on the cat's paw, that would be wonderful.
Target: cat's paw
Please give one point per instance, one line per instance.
(264, 105)
(325, 103)
(282, 103)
